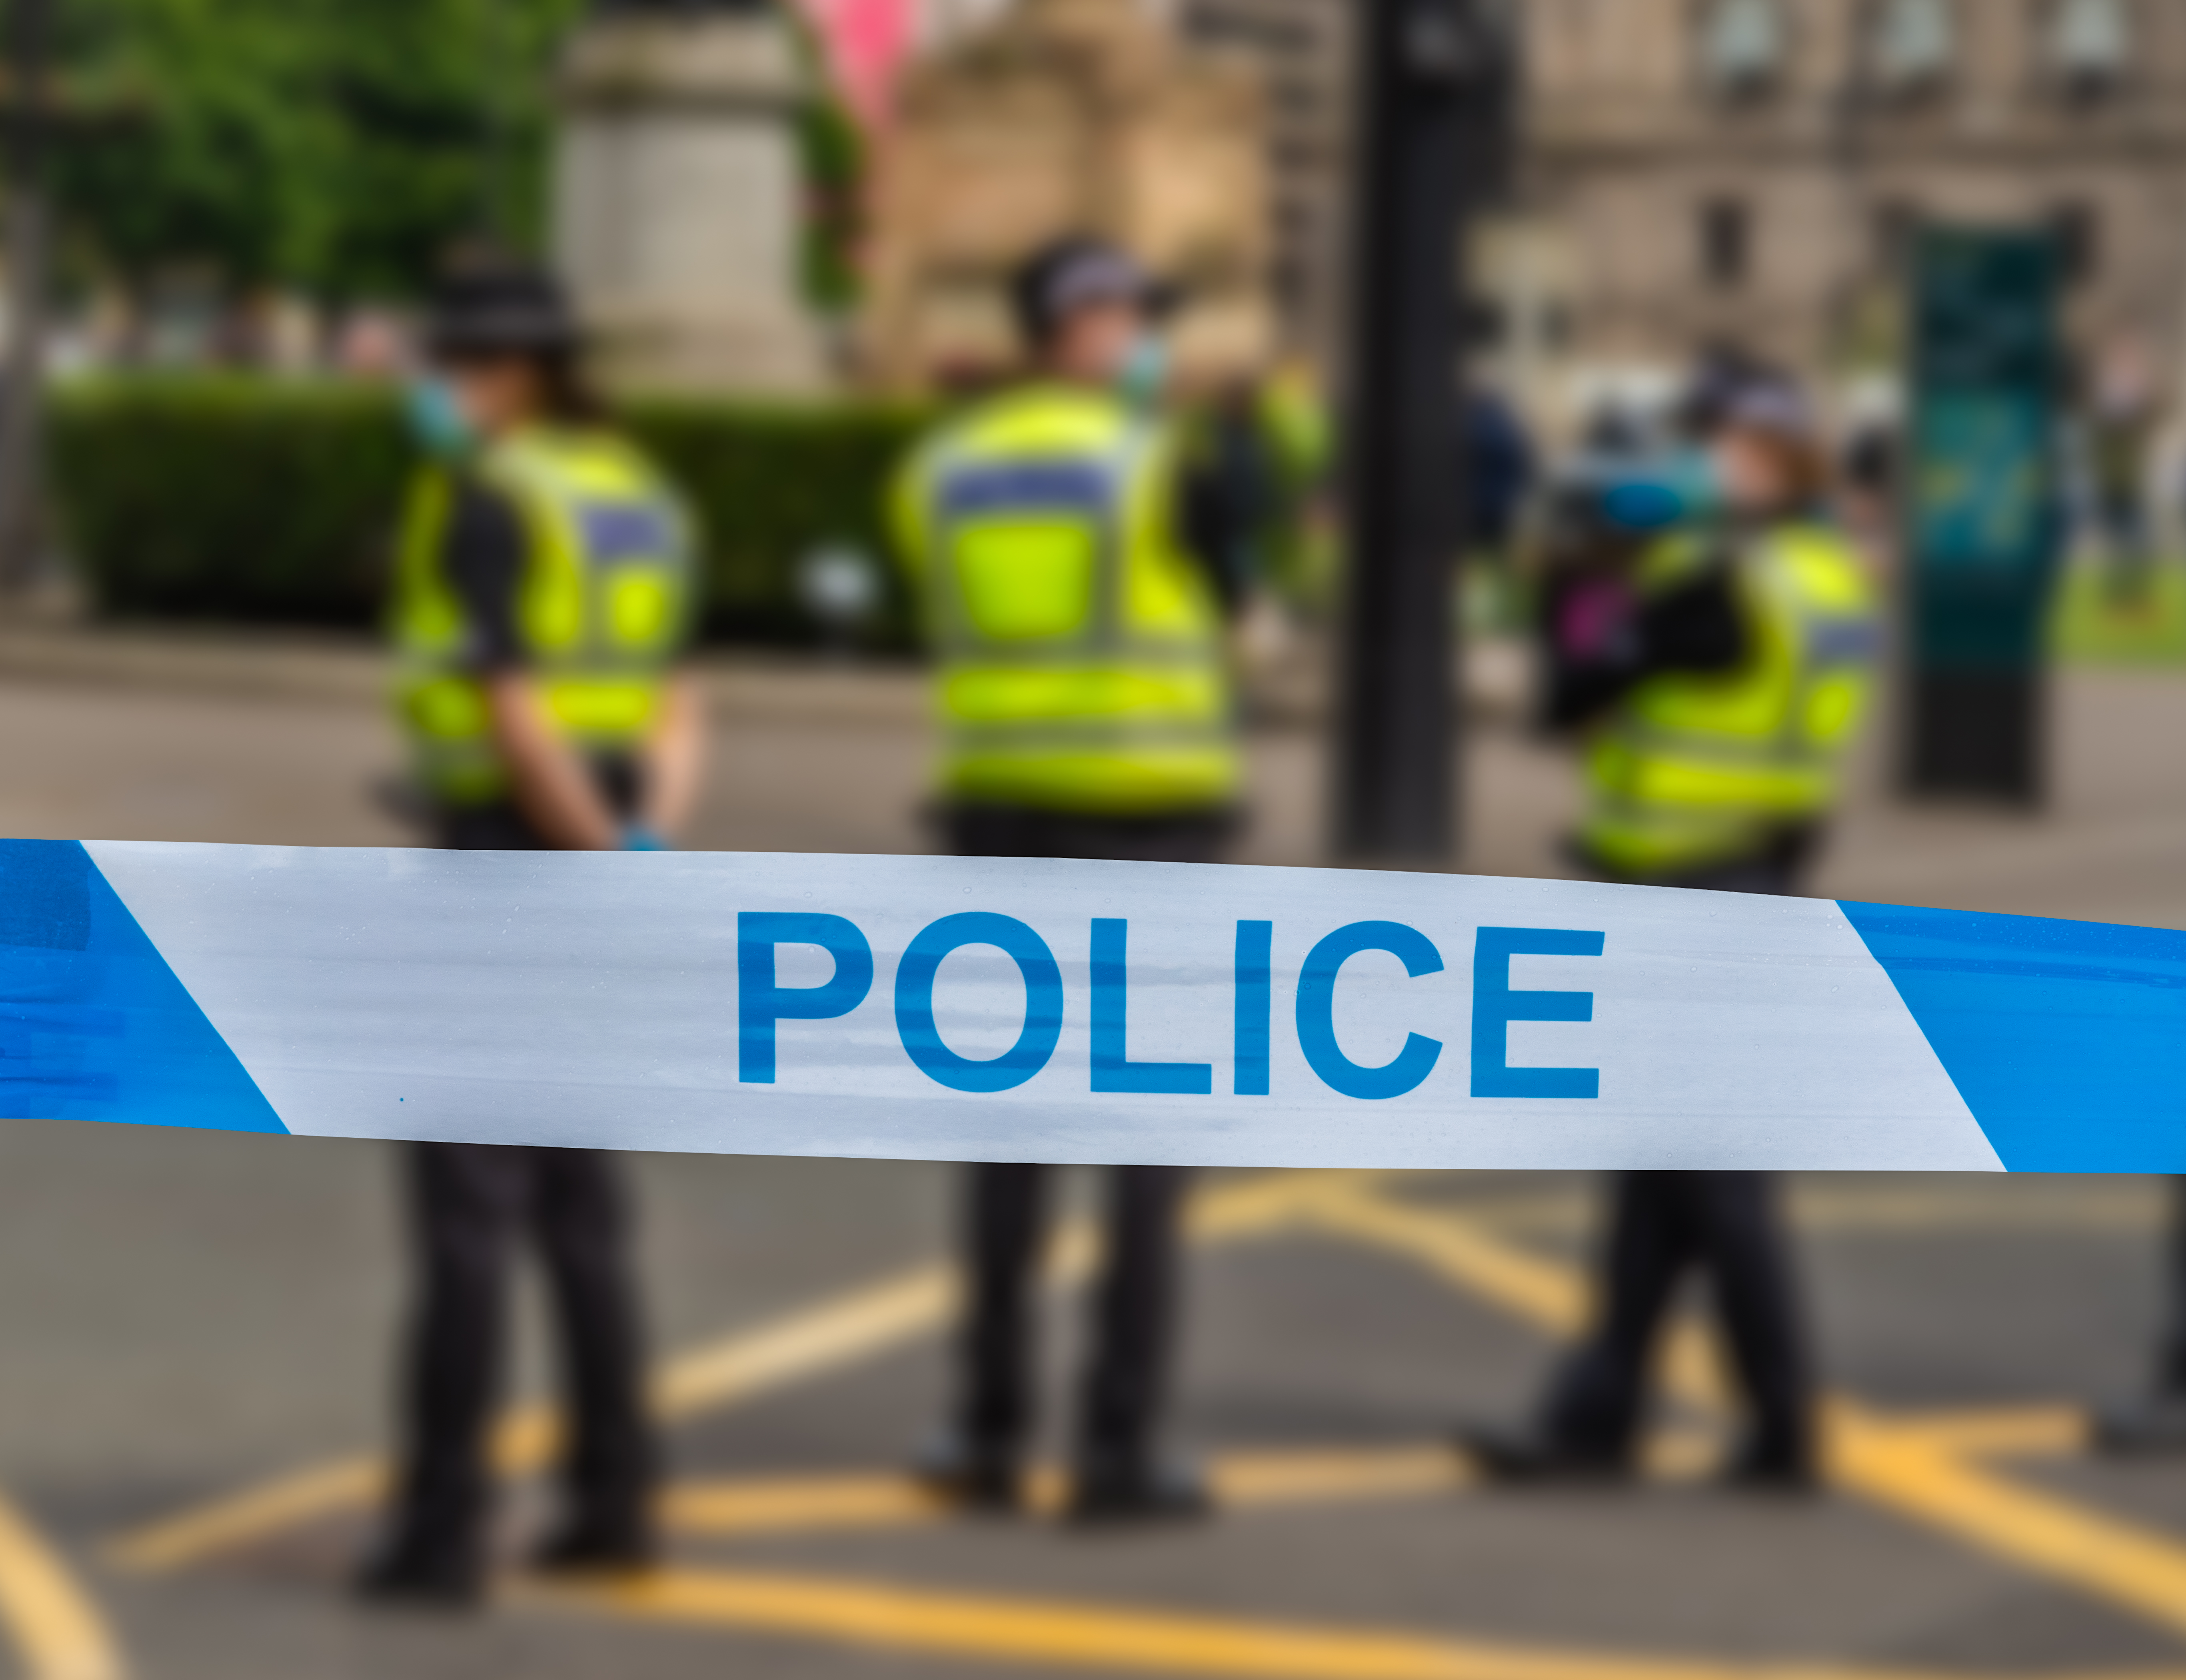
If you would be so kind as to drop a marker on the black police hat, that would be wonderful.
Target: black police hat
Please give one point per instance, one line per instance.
(496, 310)
(1081, 272)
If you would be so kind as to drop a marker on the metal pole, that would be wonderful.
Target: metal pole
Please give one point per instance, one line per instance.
(1432, 114)
(22, 413)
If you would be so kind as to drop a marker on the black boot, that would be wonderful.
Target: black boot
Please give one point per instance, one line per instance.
(594, 1544)
(423, 1576)
(2146, 1428)
(1769, 1467)
(1518, 1456)
(1136, 1486)
(980, 1476)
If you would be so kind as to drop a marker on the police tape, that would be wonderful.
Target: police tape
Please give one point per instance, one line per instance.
(1001, 1010)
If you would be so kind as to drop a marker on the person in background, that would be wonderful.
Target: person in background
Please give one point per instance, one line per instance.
(541, 601)
(2121, 430)
(1087, 712)
(1500, 461)
(1718, 692)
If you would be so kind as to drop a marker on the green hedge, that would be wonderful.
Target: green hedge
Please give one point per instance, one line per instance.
(268, 501)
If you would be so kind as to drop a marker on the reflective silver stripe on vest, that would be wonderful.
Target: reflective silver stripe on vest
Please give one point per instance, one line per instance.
(1095, 487)
(1828, 642)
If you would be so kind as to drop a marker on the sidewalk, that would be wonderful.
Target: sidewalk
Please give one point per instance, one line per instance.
(205, 734)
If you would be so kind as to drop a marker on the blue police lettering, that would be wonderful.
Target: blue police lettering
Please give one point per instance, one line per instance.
(1114, 1070)
(1255, 1006)
(914, 1002)
(1495, 1006)
(1316, 1012)
(760, 1002)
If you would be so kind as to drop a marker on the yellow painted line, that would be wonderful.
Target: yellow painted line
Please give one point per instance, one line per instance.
(1546, 1292)
(1256, 1479)
(1076, 1635)
(56, 1629)
(238, 1519)
(810, 1342)
(2141, 1569)
(733, 1507)
(795, 1504)
(834, 1333)
(2004, 1432)
(883, 1499)
(1915, 1469)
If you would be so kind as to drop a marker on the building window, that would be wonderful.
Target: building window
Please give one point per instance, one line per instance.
(1912, 46)
(1743, 46)
(2089, 45)
(1726, 244)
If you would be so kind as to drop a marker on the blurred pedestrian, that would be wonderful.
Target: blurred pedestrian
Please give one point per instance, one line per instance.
(1087, 712)
(2156, 1423)
(541, 600)
(2120, 429)
(1716, 710)
(1501, 467)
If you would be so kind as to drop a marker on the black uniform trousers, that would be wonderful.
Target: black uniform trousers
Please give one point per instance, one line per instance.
(472, 1203)
(2171, 1354)
(471, 1206)
(1663, 1226)
(1135, 1302)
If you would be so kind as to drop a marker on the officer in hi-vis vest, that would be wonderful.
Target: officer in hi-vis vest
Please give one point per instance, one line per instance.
(1086, 709)
(542, 596)
(1718, 703)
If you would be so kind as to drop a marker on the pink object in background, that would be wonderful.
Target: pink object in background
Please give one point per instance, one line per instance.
(866, 39)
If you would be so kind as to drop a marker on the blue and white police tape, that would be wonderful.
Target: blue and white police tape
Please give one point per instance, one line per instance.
(995, 1009)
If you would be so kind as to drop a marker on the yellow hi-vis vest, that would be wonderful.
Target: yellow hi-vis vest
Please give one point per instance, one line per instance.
(1082, 666)
(602, 605)
(1698, 769)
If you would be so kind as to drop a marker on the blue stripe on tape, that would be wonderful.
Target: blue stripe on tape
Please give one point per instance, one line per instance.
(93, 1023)
(2067, 1039)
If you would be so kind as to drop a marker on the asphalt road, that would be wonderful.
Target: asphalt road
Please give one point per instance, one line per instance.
(195, 1329)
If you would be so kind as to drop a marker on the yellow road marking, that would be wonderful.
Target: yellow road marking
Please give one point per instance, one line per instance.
(743, 1506)
(1102, 1635)
(1922, 1468)
(2005, 1432)
(1250, 1478)
(794, 1504)
(882, 1499)
(835, 1333)
(1917, 1470)
(55, 1627)
(2141, 1569)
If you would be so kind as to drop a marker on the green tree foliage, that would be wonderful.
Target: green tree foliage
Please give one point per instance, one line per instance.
(338, 146)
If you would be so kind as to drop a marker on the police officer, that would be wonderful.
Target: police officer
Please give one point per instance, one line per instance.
(1087, 714)
(1721, 708)
(541, 595)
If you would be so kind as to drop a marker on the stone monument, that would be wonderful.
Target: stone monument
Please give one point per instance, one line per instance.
(679, 196)
(1065, 116)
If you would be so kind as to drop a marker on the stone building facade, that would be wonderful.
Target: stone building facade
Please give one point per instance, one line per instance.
(1750, 169)
(1302, 50)
(1061, 116)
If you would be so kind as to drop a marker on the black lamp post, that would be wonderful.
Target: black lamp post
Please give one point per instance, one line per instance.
(1436, 91)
